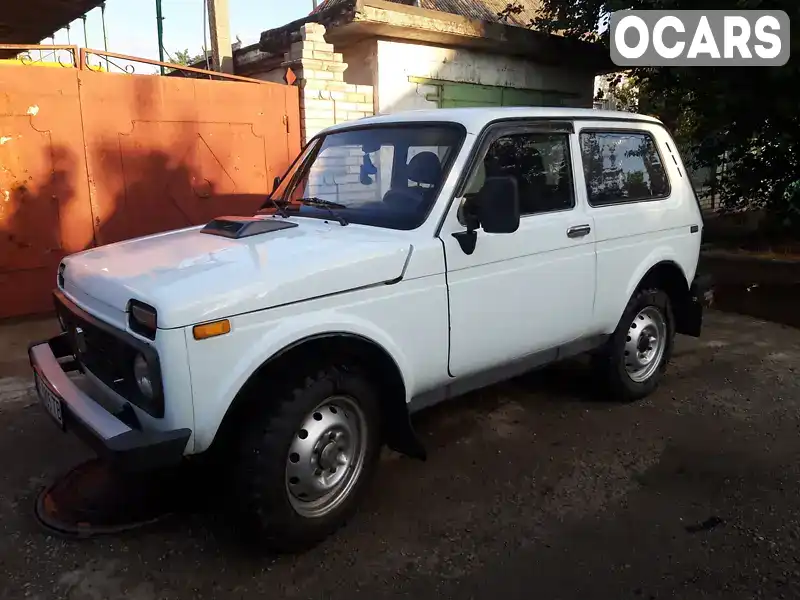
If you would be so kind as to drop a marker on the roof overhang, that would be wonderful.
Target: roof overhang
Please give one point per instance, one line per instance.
(352, 21)
(31, 21)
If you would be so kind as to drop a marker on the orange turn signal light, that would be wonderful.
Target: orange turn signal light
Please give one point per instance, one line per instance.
(213, 329)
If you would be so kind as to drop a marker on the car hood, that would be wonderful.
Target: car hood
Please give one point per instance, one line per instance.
(190, 277)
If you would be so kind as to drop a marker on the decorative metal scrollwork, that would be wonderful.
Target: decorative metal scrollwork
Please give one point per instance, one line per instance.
(129, 68)
(26, 58)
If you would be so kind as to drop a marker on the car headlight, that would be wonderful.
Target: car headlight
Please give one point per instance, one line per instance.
(141, 374)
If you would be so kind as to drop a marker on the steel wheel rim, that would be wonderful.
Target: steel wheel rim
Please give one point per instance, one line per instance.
(326, 456)
(645, 344)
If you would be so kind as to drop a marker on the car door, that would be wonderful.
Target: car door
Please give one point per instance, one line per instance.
(521, 293)
(638, 196)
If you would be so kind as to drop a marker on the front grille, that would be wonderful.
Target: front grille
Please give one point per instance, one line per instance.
(107, 356)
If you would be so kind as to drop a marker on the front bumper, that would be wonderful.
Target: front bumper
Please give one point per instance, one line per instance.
(127, 447)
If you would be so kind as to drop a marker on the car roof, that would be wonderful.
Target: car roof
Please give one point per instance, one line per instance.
(475, 119)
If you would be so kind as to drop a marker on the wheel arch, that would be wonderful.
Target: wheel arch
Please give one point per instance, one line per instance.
(380, 365)
(667, 275)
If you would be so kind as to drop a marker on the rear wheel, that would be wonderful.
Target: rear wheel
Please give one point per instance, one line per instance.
(637, 354)
(306, 458)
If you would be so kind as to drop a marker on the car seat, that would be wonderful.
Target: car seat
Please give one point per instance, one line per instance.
(425, 171)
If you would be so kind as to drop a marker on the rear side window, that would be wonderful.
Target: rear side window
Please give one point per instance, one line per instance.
(622, 166)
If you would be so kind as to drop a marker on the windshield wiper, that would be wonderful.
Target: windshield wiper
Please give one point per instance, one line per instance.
(327, 205)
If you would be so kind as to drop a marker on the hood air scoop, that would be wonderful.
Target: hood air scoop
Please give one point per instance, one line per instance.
(241, 227)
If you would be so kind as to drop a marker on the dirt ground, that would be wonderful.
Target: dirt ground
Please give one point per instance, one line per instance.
(533, 489)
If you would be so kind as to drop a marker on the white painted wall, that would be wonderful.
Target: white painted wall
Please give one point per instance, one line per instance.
(362, 62)
(397, 61)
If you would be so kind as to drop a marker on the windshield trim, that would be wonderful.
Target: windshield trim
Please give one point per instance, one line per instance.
(268, 203)
(319, 140)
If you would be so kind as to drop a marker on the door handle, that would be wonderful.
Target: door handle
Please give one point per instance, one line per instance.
(578, 231)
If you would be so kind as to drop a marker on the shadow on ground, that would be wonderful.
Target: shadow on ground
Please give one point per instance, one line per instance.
(532, 484)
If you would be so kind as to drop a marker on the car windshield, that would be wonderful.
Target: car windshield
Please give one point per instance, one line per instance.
(385, 176)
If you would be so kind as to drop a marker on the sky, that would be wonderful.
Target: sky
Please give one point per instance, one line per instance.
(131, 24)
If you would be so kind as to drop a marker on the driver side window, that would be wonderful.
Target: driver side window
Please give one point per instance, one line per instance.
(540, 164)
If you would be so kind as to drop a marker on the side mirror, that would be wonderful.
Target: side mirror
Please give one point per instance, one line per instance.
(275, 183)
(496, 206)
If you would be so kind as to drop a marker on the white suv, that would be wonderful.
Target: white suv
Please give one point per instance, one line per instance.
(401, 261)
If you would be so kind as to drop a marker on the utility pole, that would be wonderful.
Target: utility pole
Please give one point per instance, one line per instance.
(85, 35)
(220, 26)
(160, 25)
(105, 35)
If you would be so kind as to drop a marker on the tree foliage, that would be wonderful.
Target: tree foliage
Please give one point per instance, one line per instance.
(182, 57)
(748, 117)
(622, 89)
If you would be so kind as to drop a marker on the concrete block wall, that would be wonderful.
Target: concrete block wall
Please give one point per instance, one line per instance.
(325, 98)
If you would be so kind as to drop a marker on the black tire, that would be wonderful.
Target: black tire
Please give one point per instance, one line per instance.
(262, 499)
(610, 362)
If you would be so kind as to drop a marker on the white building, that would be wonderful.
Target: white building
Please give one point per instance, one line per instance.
(359, 57)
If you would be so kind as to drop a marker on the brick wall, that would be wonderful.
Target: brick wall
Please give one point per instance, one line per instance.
(337, 171)
(325, 98)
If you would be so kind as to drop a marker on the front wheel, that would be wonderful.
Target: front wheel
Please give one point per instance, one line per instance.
(306, 458)
(327, 456)
(637, 354)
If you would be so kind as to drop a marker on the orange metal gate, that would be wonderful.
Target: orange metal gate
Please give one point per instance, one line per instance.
(89, 158)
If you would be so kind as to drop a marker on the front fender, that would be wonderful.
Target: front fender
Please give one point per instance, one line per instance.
(264, 339)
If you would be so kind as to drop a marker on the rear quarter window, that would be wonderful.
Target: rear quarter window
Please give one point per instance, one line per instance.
(622, 167)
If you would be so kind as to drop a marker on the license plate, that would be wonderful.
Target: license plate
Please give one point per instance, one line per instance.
(52, 403)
